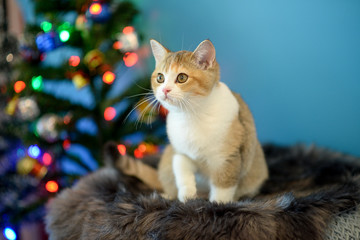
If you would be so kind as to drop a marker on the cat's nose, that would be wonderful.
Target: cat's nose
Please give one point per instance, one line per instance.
(166, 91)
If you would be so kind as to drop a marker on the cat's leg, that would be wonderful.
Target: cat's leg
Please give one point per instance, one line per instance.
(250, 184)
(220, 194)
(224, 178)
(166, 174)
(184, 171)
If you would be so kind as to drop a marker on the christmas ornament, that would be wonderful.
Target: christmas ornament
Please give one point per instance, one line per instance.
(28, 108)
(46, 42)
(80, 80)
(81, 22)
(31, 55)
(94, 59)
(98, 12)
(130, 59)
(11, 106)
(29, 165)
(127, 40)
(46, 127)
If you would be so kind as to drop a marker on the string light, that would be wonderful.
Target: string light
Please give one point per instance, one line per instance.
(47, 159)
(19, 86)
(64, 35)
(46, 26)
(122, 149)
(34, 151)
(95, 9)
(128, 30)
(109, 113)
(52, 186)
(117, 45)
(142, 148)
(37, 82)
(130, 59)
(138, 153)
(108, 77)
(66, 144)
(74, 61)
(9, 233)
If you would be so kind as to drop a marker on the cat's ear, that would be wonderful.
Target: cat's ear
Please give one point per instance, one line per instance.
(204, 54)
(158, 50)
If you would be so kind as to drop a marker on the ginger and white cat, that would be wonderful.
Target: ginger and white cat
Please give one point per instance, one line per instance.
(211, 130)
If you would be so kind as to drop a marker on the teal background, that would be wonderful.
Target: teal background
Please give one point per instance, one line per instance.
(296, 63)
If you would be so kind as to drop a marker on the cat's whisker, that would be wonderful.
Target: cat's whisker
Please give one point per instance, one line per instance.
(146, 89)
(140, 94)
(153, 109)
(145, 99)
(144, 112)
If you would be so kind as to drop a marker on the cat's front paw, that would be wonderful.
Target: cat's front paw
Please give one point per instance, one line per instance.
(186, 193)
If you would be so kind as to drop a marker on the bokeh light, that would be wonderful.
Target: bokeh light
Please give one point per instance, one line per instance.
(130, 59)
(52, 186)
(47, 159)
(34, 151)
(95, 9)
(109, 113)
(19, 86)
(108, 77)
(9, 233)
(128, 30)
(122, 149)
(37, 82)
(74, 61)
(46, 26)
(64, 35)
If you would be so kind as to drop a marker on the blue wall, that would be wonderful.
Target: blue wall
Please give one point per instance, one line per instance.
(296, 63)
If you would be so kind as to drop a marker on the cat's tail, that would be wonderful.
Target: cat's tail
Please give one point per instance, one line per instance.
(132, 166)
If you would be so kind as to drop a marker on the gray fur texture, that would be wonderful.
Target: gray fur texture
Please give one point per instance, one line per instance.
(307, 190)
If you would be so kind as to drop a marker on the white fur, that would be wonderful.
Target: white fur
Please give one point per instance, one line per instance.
(219, 194)
(197, 131)
(184, 171)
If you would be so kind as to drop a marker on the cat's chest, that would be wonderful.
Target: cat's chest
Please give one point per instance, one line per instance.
(193, 138)
(202, 135)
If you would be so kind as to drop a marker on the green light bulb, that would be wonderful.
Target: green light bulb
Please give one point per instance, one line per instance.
(37, 83)
(46, 26)
(64, 35)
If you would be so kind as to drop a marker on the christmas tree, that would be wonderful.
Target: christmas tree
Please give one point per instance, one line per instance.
(66, 91)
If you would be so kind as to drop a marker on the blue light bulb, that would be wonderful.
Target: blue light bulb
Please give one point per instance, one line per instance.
(9, 234)
(34, 151)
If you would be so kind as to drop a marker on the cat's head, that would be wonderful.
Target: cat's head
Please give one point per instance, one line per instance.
(182, 78)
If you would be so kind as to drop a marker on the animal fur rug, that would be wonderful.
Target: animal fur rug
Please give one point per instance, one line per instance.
(310, 193)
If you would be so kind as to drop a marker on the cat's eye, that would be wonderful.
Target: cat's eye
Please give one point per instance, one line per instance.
(160, 78)
(181, 78)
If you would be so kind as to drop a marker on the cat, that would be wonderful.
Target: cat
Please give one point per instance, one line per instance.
(213, 143)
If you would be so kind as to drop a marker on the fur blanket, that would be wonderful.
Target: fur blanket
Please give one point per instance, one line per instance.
(311, 194)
